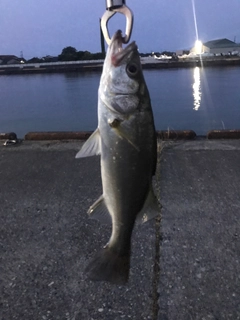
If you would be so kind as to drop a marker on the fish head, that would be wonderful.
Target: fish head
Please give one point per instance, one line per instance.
(122, 82)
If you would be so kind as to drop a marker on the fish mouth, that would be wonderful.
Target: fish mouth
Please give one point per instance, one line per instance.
(117, 52)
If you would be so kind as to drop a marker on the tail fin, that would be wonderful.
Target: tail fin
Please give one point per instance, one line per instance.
(109, 266)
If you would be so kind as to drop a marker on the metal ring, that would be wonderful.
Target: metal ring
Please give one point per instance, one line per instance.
(129, 22)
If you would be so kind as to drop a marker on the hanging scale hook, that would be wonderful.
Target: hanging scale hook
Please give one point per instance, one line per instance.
(112, 7)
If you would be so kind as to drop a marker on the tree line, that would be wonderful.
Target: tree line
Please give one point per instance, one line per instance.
(69, 54)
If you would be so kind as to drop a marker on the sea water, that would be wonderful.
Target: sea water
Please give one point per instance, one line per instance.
(200, 99)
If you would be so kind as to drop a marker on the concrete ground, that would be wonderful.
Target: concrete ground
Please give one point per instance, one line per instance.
(186, 266)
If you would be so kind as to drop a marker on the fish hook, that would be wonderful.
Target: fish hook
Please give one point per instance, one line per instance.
(112, 7)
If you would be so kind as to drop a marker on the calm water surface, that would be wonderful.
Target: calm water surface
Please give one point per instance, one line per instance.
(197, 99)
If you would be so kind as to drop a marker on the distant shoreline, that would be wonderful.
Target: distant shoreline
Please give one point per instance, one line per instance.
(96, 65)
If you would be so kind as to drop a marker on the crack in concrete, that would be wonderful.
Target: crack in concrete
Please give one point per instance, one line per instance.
(156, 270)
(156, 266)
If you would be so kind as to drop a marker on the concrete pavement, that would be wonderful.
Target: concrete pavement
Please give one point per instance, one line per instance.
(200, 249)
(185, 267)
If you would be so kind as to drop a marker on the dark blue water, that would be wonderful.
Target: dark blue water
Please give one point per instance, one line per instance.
(197, 99)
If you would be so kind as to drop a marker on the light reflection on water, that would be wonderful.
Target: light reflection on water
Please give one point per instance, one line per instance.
(196, 88)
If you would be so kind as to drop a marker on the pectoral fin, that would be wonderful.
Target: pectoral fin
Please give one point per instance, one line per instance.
(122, 135)
(91, 147)
(100, 212)
(150, 209)
(115, 123)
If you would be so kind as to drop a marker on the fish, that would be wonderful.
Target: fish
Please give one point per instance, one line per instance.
(126, 141)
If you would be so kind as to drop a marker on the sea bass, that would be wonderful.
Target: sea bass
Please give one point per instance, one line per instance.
(126, 140)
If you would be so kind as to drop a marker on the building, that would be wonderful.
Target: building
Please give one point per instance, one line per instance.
(10, 59)
(219, 46)
(182, 52)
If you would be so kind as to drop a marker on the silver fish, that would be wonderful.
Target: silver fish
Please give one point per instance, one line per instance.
(126, 140)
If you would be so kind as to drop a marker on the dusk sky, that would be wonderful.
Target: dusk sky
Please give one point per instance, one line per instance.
(40, 28)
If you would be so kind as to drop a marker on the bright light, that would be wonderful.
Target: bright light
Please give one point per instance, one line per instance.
(198, 47)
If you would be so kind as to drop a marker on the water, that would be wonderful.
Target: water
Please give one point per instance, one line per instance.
(182, 99)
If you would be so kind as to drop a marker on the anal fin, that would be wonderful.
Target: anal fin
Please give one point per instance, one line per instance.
(151, 208)
(100, 212)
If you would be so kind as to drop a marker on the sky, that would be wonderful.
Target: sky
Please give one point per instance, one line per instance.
(45, 27)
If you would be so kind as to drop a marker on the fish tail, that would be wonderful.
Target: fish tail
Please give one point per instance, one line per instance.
(109, 266)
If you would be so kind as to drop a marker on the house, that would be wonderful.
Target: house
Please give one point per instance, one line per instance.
(10, 59)
(219, 46)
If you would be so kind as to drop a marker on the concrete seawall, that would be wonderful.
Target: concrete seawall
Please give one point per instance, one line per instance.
(162, 134)
(96, 65)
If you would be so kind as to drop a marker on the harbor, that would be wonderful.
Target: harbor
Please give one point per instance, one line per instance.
(220, 52)
(96, 65)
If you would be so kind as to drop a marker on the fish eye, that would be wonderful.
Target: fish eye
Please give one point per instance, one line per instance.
(132, 69)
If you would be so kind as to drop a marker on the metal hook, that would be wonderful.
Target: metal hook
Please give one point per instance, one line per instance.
(111, 11)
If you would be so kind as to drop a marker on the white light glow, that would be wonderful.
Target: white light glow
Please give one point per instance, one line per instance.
(198, 47)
